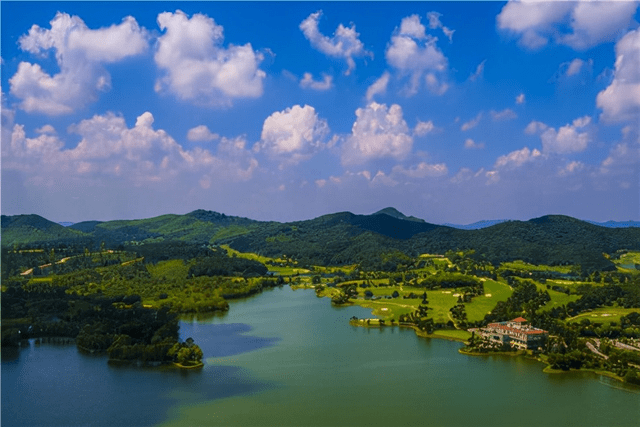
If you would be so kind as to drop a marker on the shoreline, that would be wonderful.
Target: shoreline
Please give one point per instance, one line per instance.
(438, 334)
(547, 369)
(181, 366)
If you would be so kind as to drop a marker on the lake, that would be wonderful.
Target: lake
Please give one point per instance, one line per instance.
(286, 357)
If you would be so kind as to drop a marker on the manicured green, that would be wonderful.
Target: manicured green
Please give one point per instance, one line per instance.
(288, 270)
(483, 304)
(604, 314)
(452, 334)
(558, 299)
(631, 257)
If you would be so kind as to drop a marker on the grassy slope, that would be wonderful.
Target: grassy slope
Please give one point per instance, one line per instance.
(481, 305)
(283, 271)
(604, 314)
(521, 265)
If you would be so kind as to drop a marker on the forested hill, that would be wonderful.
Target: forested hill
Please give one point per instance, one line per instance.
(199, 226)
(34, 229)
(342, 238)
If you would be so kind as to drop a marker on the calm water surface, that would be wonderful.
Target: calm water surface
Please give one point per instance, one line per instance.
(287, 358)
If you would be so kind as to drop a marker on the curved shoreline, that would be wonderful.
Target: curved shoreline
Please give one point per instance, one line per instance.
(181, 366)
(419, 332)
(547, 369)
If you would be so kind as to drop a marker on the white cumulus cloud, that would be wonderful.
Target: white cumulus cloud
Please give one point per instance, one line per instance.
(201, 133)
(570, 138)
(46, 129)
(293, 135)
(80, 53)
(534, 127)
(344, 44)
(580, 24)
(413, 52)
(471, 144)
(109, 149)
(378, 132)
(620, 101)
(379, 86)
(574, 67)
(423, 128)
(307, 82)
(516, 158)
(506, 114)
(434, 23)
(471, 123)
(421, 170)
(197, 67)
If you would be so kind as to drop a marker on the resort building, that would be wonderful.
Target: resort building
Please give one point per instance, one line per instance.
(517, 333)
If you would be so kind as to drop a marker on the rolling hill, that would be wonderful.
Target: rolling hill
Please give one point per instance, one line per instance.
(344, 237)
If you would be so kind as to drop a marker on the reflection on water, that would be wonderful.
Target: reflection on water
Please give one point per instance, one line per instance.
(330, 373)
(220, 340)
(202, 317)
(618, 385)
(289, 358)
(57, 385)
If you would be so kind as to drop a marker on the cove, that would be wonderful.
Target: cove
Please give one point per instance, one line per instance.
(285, 357)
(325, 372)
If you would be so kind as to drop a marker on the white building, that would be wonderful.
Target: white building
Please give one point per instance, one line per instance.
(517, 333)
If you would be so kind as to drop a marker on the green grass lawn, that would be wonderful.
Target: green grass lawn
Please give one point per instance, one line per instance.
(439, 301)
(570, 283)
(455, 334)
(631, 257)
(40, 279)
(521, 265)
(558, 299)
(283, 271)
(481, 305)
(604, 314)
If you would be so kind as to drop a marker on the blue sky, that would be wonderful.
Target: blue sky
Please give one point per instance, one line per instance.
(448, 111)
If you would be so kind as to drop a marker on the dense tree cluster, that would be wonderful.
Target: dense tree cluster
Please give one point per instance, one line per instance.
(172, 249)
(222, 265)
(119, 325)
(452, 280)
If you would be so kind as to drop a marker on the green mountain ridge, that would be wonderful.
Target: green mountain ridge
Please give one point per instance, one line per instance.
(343, 237)
(393, 212)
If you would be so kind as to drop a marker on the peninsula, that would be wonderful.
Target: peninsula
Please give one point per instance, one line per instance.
(564, 291)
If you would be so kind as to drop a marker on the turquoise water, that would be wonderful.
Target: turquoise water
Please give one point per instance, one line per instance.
(287, 358)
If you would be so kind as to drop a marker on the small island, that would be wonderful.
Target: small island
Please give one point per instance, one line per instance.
(571, 304)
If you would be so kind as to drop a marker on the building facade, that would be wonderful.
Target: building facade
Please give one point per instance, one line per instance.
(517, 333)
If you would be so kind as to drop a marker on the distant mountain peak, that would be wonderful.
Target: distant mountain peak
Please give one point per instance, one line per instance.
(393, 212)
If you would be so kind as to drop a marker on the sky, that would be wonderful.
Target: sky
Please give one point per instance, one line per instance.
(452, 112)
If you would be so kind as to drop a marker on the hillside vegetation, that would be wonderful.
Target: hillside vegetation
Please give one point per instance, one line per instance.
(377, 241)
(121, 295)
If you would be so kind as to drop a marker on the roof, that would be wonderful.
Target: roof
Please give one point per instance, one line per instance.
(509, 330)
(519, 320)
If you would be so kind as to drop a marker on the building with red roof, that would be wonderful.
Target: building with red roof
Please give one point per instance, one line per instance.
(517, 333)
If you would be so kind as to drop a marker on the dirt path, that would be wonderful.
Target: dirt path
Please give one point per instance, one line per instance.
(595, 350)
